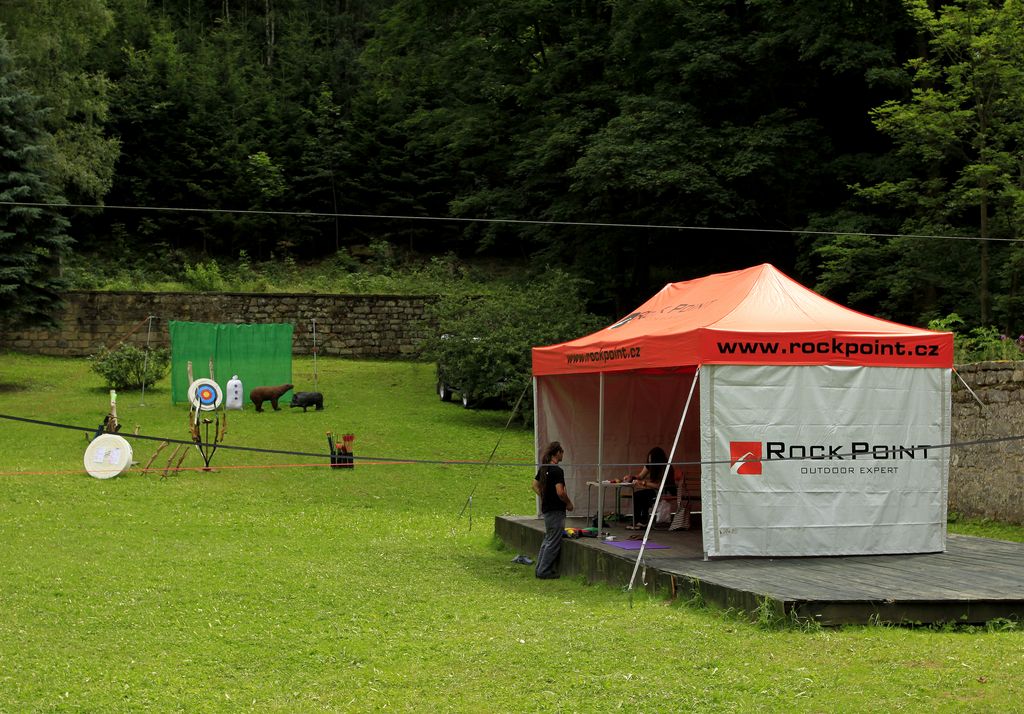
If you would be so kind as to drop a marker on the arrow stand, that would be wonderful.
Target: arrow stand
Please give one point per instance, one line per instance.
(201, 429)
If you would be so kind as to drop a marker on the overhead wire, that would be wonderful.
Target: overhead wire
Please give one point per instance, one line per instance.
(508, 221)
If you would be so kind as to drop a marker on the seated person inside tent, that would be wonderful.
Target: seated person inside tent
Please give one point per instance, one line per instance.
(646, 484)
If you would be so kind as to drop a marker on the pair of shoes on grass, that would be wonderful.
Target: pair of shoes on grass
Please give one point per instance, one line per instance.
(549, 576)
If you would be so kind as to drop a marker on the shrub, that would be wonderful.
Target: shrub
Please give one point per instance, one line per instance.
(483, 342)
(129, 367)
(981, 344)
(204, 277)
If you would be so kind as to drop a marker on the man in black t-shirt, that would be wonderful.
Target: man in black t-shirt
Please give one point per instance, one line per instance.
(549, 484)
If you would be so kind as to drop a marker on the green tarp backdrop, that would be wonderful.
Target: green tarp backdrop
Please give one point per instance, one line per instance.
(261, 355)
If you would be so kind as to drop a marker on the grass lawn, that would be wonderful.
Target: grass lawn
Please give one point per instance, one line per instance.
(277, 584)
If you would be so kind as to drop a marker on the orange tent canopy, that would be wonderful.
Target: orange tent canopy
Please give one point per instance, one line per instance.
(753, 316)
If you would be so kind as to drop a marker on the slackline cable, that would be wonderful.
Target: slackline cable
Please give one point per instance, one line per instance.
(839, 456)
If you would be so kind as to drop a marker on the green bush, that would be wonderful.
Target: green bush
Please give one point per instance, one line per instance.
(205, 277)
(482, 344)
(129, 367)
(981, 344)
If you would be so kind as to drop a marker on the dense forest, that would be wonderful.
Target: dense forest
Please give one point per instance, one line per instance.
(872, 149)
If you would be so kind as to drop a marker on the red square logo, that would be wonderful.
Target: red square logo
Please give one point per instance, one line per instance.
(745, 458)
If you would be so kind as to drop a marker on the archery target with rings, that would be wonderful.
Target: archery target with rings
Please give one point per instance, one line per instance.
(107, 455)
(205, 395)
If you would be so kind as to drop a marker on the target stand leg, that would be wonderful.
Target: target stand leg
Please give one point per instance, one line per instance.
(207, 447)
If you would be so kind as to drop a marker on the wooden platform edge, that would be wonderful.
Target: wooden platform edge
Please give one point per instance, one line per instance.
(578, 559)
(907, 612)
(594, 564)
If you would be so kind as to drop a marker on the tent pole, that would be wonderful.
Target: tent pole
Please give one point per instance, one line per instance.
(145, 361)
(536, 438)
(316, 386)
(661, 488)
(600, 455)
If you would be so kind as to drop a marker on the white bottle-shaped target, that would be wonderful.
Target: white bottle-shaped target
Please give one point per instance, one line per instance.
(233, 397)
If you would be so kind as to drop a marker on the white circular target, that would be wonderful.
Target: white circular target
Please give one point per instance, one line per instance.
(108, 455)
(205, 395)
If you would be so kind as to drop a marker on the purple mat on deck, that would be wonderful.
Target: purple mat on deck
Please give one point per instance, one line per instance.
(633, 544)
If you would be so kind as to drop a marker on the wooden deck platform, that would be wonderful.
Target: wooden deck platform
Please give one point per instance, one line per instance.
(976, 580)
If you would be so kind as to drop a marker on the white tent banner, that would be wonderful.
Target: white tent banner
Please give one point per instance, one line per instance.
(641, 411)
(823, 460)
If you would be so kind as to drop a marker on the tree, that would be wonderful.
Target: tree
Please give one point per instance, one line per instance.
(237, 106)
(710, 114)
(54, 40)
(33, 239)
(959, 139)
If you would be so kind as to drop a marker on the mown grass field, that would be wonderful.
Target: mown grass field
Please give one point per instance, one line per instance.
(277, 584)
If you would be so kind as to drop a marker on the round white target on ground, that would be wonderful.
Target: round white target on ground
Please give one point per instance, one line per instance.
(205, 395)
(108, 455)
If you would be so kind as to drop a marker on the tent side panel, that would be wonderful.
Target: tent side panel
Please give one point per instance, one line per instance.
(641, 411)
(565, 410)
(823, 460)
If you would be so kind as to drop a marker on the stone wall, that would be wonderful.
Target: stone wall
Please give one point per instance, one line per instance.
(987, 480)
(359, 326)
